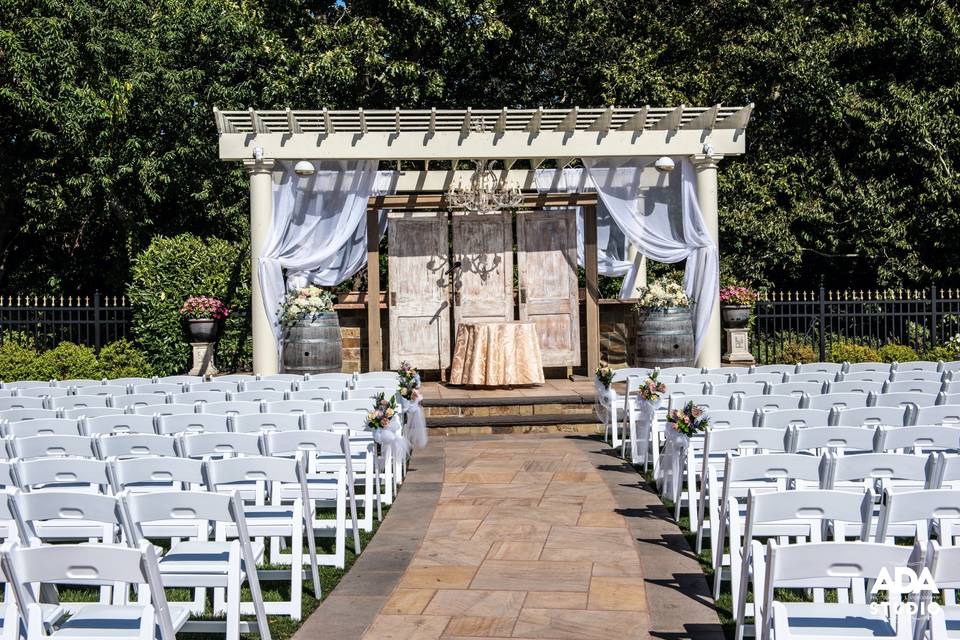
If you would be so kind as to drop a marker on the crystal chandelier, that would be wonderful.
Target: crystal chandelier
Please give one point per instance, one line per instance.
(486, 192)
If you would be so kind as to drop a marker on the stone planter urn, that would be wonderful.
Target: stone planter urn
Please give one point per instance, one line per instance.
(735, 316)
(202, 330)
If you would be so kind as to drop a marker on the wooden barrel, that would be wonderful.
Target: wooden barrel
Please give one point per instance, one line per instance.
(665, 338)
(313, 347)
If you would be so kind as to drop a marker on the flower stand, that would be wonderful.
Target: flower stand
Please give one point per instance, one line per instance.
(203, 359)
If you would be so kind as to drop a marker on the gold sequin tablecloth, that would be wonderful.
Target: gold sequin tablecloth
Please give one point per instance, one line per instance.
(497, 354)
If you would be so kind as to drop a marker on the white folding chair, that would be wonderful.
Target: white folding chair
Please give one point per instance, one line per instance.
(360, 379)
(82, 402)
(927, 387)
(39, 392)
(134, 381)
(739, 389)
(922, 439)
(870, 416)
(794, 418)
(941, 414)
(16, 415)
(729, 371)
(319, 395)
(779, 369)
(134, 445)
(918, 365)
(218, 445)
(224, 563)
(952, 365)
(865, 376)
(946, 472)
(91, 565)
(236, 378)
(163, 388)
(856, 386)
(820, 378)
(114, 424)
(202, 397)
(916, 376)
(948, 398)
(363, 405)
(798, 389)
(706, 402)
(771, 403)
(288, 515)
(216, 387)
(769, 378)
(43, 427)
(910, 401)
(281, 386)
(286, 377)
(138, 400)
(20, 402)
(77, 383)
(29, 384)
(181, 379)
(731, 419)
(90, 412)
(369, 393)
(257, 422)
(680, 371)
(706, 378)
(156, 473)
(193, 423)
(48, 446)
(296, 406)
(879, 471)
(232, 407)
(917, 514)
(159, 410)
(844, 400)
(819, 367)
(943, 622)
(841, 566)
(259, 396)
(62, 474)
(819, 440)
(322, 381)
(870, 367)
(800, 516)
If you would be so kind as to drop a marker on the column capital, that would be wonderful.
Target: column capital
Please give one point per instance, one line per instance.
(264, 165)
(706, 161)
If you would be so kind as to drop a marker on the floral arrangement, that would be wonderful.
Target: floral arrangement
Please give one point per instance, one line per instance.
(204, 308)
(688, 421)
(604, 375)
(736, 295)
(652, 388)
(409, 381)
(663, 293)
(382, 413)
(304, 305)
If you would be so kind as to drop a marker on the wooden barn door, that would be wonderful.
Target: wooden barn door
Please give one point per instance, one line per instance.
(483, 284)
(418, 301)
(547, 262)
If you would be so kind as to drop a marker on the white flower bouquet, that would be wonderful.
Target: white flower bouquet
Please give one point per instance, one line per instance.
(304, 305)
(661, 294)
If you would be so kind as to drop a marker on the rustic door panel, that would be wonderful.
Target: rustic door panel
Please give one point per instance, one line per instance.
(483, 284)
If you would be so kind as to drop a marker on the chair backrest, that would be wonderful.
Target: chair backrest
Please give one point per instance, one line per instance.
(192, 397)
(135, 445)
(922, 439)
(257, 422)
(855, 386)
(155, 473)
(819, 377)
(827, 401)
(200, 445)
(918, 365)
(373, 375)
(219, 387)
(369, 393)
(180, 379)
(296, 406)
(287, 377)
(15, 415)
(54, 446)
(63, 473)
(820, 367)
(259, 396)
(889, 416)
(711, 378)
(165, 410)
(44, 427)
(794, 418)
(837, 507)
(914, 386)
(686, 389)
(909, 401)
(28, 384)
(104, 390)
(237, 377)
(941, 414)
(737, 389)
(769, 378)
(132, 400)
(22, 402)
(821, 439)
(267, 385)
(336, 420)
(132, 381)
(281, 443)
(8, 478)
(98, 565)
(924, 507)
(729, 371)
(345, 378)
(709, 403)
(320, 395)
(39, 392)
(866, 376)
(158, 387)
(773, 467)
(951, 365)
(780, 369)
(879, 466)
(189, 507)
(229, 471)
(680, 371)
(193, 422)
(930, 376)
(796, 389)
(772, 403)
(730, 419)
(81, 402)
(335, 384)
(92, 412)
(870, 367)
(64, 505)
(362, 404)
(744, 439)
(620, 375)
(234, 406)
(122, 423)
(944, 565)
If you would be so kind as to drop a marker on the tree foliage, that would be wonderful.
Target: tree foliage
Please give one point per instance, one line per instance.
(107, 138)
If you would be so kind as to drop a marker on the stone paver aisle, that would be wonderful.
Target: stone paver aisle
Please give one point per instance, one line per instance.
(525, 542)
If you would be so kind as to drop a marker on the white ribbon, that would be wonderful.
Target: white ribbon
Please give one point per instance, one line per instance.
(643, 431)
(416, 422)
(391, 438)
(670, 477)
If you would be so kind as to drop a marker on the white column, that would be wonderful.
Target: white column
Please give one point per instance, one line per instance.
(266, 360)
(641, 262)
(706, 172)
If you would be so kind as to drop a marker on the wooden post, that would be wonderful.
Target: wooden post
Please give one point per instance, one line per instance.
(592, 306)
(374, 343)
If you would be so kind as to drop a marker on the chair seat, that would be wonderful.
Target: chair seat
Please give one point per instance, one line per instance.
(51, 613)
(951, 615)
(113, 621)
(828, 620)
(198, 556)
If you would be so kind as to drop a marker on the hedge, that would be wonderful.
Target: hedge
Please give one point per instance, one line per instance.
(20, 360)
(169, 271)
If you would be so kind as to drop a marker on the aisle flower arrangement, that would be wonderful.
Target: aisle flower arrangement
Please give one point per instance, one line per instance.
(652, 389)
(383, 411)
(663, 293)
(204, 308)
(688, 421)
(409, 381)
(604, 375)
(304, 305)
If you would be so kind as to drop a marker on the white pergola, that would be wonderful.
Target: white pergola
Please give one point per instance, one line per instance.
(522, 139)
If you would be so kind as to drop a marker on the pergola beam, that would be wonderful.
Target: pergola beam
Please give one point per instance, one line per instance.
(670, 121)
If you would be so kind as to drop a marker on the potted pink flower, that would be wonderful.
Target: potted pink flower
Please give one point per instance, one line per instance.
(203, 315)
(736, 304)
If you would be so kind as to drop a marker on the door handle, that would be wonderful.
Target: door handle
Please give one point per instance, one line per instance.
(523, 296)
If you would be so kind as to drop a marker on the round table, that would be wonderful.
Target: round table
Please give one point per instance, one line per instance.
(497, 354)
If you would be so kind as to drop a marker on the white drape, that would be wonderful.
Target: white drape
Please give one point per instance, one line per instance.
(319, 229)
(659, 214)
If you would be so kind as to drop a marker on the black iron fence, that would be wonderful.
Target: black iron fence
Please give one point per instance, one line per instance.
(917, 318)
(49, 320)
